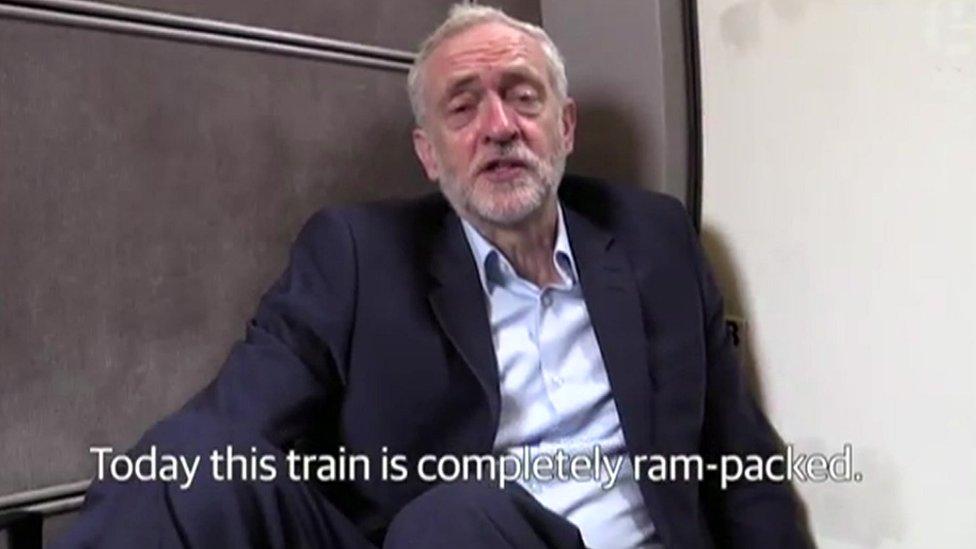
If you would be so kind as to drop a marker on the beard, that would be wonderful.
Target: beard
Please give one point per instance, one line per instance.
(506, 202)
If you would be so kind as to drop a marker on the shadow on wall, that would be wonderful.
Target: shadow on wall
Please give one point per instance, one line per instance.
(724, 267)
(866, 514)
(726, 272)
(607, 144)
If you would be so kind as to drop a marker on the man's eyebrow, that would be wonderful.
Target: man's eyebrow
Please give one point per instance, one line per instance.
(522, 74)
(521, 71)
(462, 83)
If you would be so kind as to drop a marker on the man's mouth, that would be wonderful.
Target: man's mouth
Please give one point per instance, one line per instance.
(503, 168)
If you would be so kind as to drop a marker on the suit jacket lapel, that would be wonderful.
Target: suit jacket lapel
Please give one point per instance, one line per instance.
(459, 304)
(614, 306)
(613, 303)
(612, 300)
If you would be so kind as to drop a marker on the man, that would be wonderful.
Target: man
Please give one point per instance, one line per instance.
(527, 311)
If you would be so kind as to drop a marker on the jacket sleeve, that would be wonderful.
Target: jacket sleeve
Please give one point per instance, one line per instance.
(745, 514)
(273, 389)
(290, 367)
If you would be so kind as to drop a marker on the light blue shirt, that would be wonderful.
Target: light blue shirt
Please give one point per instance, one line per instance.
(555, 393)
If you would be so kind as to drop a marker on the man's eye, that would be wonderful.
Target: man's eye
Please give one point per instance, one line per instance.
(460, 105)
(525, 99)
(526, 96)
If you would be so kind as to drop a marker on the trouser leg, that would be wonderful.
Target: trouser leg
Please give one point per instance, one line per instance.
(476, 516)
(276, 514)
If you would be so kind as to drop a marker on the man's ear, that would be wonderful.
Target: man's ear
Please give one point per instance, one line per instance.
(425, 152)
(568, 126)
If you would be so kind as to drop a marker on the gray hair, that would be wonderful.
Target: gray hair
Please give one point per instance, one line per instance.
(461, 18)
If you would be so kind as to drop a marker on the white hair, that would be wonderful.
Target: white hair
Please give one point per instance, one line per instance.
(464, 16)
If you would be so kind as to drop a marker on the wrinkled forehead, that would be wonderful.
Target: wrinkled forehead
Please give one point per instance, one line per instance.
(482, 51)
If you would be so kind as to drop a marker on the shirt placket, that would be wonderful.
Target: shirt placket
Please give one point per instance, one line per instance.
(550, 341)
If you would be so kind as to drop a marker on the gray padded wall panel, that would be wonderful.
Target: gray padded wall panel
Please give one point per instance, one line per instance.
(627, 71)
(397, 24)
(149, 190)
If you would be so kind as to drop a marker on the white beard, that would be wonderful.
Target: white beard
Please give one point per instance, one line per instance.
(506, 204)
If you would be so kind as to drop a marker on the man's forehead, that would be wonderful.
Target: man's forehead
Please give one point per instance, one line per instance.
(488, 45)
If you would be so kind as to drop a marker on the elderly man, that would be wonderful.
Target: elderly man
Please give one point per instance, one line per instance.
(526, 314)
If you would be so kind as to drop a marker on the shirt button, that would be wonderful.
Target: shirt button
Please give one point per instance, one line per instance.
(546, 300)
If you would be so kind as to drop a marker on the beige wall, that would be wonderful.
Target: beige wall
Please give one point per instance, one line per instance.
(839, 187)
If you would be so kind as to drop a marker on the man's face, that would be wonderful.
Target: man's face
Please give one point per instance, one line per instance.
(495, 135)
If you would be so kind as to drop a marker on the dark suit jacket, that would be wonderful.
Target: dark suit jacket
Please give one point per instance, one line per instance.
(377, 336)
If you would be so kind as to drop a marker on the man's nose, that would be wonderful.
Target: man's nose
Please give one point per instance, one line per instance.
(498, 123)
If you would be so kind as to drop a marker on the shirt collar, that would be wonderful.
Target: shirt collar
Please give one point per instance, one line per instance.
(494, 269)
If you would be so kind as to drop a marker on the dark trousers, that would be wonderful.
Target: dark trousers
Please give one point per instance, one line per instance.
(286, 514)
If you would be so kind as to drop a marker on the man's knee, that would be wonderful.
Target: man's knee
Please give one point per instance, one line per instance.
(224, 502)
(455, 501)
(477, 515)
(448, 513)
